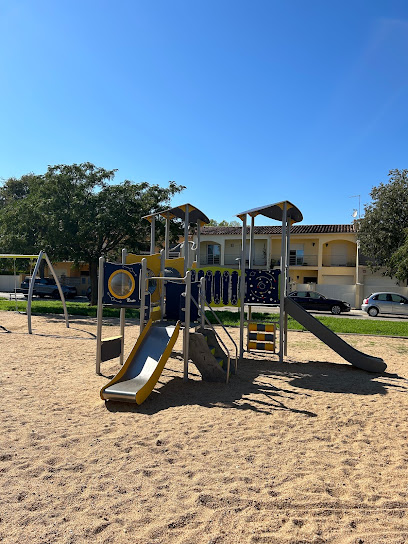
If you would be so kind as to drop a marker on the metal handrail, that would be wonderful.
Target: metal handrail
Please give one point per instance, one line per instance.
(183, 280)
(167, 278)
(187, 280)
(222, 325)
(220, 339)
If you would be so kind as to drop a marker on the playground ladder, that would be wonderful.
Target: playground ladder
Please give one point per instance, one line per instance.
(261, 336)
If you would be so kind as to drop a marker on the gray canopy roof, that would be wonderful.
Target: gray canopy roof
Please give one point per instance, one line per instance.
(194, 214)
(275, 211)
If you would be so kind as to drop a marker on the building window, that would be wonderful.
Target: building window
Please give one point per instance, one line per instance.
(213, 253)
(295, 257)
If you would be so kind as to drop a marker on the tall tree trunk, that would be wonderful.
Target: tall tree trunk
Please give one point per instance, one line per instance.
(93, 273)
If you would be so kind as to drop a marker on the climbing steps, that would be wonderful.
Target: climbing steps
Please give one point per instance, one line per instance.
(261, 336)
(215, 348)
(208, 356)
(220, 360)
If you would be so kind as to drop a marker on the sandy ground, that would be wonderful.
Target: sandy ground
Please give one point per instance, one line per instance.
(311, 451)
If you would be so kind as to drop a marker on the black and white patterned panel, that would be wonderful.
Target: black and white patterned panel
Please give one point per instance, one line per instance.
(262, 286)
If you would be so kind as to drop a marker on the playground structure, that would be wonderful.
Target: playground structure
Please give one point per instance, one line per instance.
(173, 295)
(42, 255)
(170, 295)
(266, 292)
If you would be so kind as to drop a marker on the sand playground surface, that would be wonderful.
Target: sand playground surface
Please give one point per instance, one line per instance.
(310, 451)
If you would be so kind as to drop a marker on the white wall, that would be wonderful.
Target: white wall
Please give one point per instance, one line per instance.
(369, 289)
(232, 252)
(7, 283)
(333, 279)
(375, 282)
(379, 279)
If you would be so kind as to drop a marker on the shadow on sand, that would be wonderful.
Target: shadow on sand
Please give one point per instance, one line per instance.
(262, 386)
(343, 378)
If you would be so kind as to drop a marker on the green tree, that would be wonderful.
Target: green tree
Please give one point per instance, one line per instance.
(399, 260)
(223, 223)
(382, 229)
(19, 225)
(19, 222)
(76, 213)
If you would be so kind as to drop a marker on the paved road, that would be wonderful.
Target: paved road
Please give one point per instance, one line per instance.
(353, 314)
(356, 314)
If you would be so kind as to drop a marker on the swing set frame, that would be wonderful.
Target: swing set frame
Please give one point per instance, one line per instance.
(42, 255)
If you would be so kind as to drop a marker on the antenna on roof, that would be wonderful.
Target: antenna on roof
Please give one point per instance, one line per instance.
(355, 211)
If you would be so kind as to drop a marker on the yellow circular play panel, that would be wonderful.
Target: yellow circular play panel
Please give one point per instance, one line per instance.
(121, 284)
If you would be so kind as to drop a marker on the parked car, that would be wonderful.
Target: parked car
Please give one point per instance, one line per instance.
(315, 302)
(46, 287)
(385, 303)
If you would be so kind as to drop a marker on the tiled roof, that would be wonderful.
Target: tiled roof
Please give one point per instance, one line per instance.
(296, 229)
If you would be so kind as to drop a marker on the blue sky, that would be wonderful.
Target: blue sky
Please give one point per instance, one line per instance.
(244, 103)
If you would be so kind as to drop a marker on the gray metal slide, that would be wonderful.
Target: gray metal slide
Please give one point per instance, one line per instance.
(135, 380)
(352, 355)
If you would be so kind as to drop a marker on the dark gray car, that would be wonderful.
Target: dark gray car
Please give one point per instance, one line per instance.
(315, 302)
(385, 303)
(46, 287)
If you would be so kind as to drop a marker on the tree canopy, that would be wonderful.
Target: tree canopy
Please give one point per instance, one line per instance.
(399, 260)
(223, 223)
(382, 230)
(75, 212)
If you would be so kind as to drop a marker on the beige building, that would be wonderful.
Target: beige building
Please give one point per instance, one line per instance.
(71, 274)
(324, 258)
(321, 257)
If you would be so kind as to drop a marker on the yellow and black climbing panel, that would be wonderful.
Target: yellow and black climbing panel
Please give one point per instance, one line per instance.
(261, 336)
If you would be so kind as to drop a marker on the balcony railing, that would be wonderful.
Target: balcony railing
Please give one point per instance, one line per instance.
(295, 260)
(230, 259)
(211, 260)
(338, 260)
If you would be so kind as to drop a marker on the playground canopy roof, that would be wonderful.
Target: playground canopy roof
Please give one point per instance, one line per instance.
(194, 214)
(275, 211)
